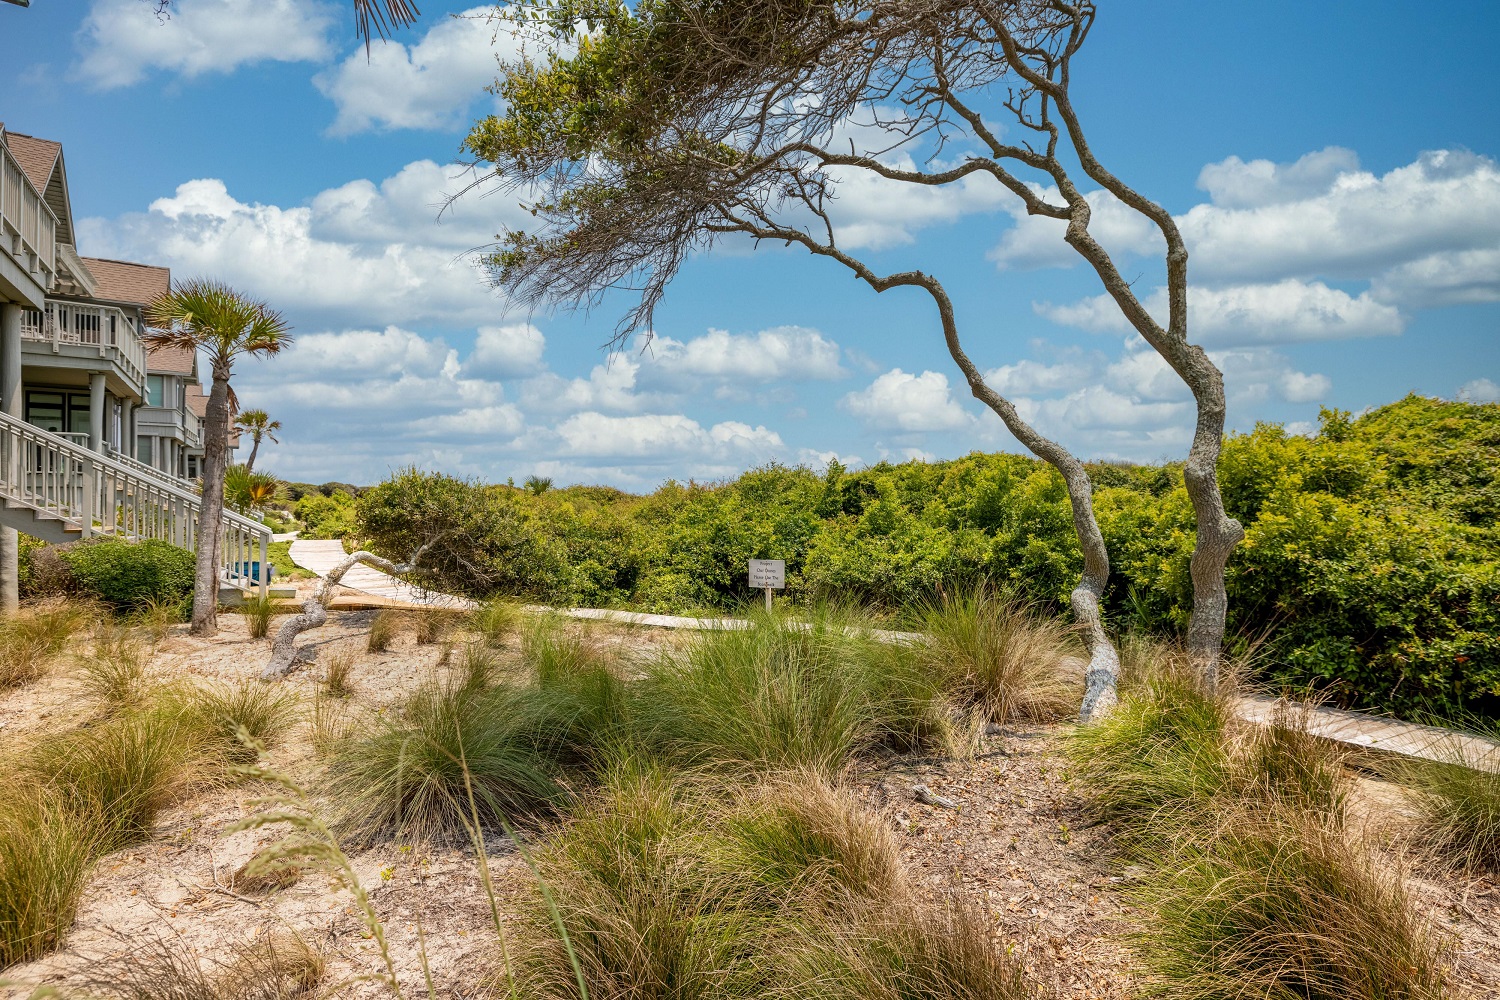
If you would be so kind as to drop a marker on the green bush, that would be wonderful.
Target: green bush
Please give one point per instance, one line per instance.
(323, 516)
(129, 576)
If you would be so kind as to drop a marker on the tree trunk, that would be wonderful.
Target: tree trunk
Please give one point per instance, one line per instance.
(284, 651)
(215, 440)
(254, 447)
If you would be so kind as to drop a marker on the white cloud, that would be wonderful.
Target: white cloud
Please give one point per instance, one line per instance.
(1281, 312)
(1480, 390)
(901, 401)
(1233, 183)
(428, 85)
(506, 351)
(610, 386)
(503, 419)
(278, 254)
(783, 352)
(664, 436)
(1037, 241)
(1442, 279)
(120, 41)
(1029, 377)
(415, 205)
(364, 354)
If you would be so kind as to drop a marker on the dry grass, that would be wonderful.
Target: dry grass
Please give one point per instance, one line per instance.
(435, 625)
(46, 854)
(32, 640)
(337, 670)
(260, 880)
(1279, 904)
(114, 669)
(384, 628)
(220, 717)
(271, 966)
(1459, 802)
(995, 654)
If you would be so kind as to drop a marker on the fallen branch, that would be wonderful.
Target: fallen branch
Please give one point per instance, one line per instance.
(927, 796)
(284, 651)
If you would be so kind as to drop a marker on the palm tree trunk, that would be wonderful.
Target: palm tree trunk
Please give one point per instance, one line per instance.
(215, 440)
(254, 447)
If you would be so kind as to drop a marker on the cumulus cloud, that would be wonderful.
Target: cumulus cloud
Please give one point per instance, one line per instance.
(902, 401)
(506, 351)
(1035, 241)
(300, 260)
(1281, 312)
(1234, 183)
(120, 41)
(783, 352)
(427, 85)
(1479, 390)
(423, 202)
(609, 386)
(656, 435)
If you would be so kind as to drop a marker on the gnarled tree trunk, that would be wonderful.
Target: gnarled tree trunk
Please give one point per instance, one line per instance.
(215, 440)
(284, 651)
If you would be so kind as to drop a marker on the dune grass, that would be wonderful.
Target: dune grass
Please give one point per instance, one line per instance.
(32, 640)
(1280, 904)
(46, 854)
(663, 886)
(215, 714)
(384, 628)
(784, 694)
(273, 966)
(259, 611)
(434, 625)
(114, 669)
(1459, 802)
(997, 655)
(495, 621)
(338, 670)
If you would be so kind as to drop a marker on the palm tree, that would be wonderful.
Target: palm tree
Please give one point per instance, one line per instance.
(260, 425)
(206, 315)
(248, 491)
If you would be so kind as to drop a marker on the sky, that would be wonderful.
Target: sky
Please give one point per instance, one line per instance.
(1333, 167)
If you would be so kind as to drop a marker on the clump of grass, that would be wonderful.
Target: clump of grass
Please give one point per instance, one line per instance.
(337, 671)
(157, 616)
(45, 857)
(663, 887)
(552, 649)
(1458, 795)
(495, 621)
(785, 695)
(31, 641)
(1279, 904)
(117, 775)
(215, 716)
(384, 628)
(994, 654)
(330, 724)
(272, 966)
(260, 880)
(410, 771)
(478, 667)
(114, 669)
(258, 612)
(434, 625)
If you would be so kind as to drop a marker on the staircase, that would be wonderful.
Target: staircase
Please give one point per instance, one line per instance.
(58, 491)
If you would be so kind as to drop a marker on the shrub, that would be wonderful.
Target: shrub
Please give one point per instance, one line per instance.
(1276, 904)
(326, 516)
(998, 656)
(411, 772)
(1459, 799)
(130, 575)
(45, 857)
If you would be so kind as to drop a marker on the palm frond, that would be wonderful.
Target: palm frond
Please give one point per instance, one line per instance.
(378, 17)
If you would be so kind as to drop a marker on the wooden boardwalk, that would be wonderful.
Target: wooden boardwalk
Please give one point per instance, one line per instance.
(322, 555)
(1370, 734)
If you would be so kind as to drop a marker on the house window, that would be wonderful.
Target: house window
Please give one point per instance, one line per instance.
(192, 461)
(153, 390)
(47, 410)
(143, 449)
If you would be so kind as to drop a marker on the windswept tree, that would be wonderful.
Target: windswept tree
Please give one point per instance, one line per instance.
(653, 131)
(210, 316)
(258, 424)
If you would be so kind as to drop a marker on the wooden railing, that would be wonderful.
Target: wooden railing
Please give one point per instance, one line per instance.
(191, 485)
(28, 227)
(111, 331)
(102, 496)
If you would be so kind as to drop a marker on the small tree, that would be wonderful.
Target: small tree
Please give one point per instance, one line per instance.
(653, 131)
(210, 316)
(258, 424)
(248, 491)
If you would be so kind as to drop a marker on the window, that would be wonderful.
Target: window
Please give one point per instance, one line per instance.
(143, 449)
(46, 410)
(153, 390)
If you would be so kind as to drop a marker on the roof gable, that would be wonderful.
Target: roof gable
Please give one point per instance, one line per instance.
(122, 281)
(42, 162)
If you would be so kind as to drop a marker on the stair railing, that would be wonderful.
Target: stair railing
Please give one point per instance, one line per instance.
(101, 496)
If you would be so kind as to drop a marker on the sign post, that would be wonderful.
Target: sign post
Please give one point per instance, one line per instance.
(768, 575)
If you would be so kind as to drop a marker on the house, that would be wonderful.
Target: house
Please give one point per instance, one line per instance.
(73, 363)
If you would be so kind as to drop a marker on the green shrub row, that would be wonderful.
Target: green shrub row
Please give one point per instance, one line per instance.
(127, 576)
(1370, 568)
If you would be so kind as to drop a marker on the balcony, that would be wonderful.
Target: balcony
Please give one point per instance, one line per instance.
(77, 334)
(28, 234)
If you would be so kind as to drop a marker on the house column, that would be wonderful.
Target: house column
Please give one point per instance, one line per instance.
(96, 412)
(127, 428)
(11, 403)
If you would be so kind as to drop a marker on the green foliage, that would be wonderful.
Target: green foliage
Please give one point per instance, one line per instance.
(129, 576)
(331, 516)
(1459, 801)
(247, 490)
(1370, 569)
(45, 858)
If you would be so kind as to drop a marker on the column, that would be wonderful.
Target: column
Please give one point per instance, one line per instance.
(96, 412)
(11, 403)
(127, 428)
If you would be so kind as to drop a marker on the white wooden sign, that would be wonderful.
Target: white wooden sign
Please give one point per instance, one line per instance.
(768, 575)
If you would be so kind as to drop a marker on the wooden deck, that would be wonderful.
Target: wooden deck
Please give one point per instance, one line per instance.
(1371, 735)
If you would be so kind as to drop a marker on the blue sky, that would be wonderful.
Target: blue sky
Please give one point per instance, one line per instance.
(1333, 166)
